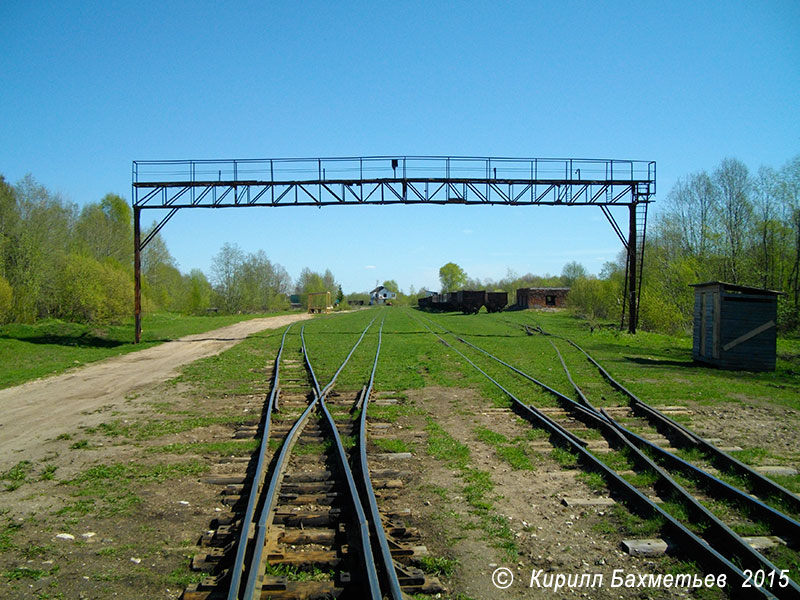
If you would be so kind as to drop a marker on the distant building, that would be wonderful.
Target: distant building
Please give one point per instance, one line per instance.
(381, 295)
(426, 293)
(542, 297)
(294, 301)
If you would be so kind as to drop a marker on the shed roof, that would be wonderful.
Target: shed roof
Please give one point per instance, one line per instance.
(737, 288)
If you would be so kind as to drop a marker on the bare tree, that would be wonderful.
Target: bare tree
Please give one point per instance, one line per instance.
(735, 211)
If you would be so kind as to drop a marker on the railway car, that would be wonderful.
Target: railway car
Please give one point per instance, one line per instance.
(496, 301)
(470, 302)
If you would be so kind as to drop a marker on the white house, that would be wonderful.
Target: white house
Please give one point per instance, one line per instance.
(381, 295)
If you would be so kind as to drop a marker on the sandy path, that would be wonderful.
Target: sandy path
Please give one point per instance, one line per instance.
(40, 410)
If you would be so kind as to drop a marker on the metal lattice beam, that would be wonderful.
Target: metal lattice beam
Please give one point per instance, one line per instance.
(379, 180)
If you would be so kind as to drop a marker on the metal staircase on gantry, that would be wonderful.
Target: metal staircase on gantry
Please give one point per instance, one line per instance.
(639, 216)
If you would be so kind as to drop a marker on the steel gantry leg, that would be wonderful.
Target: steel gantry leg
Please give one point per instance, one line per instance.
(137, 274)
(633, 290)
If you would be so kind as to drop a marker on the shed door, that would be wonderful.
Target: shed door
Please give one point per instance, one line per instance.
(709, 324)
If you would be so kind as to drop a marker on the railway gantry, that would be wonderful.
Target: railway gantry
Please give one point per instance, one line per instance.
(171, 185)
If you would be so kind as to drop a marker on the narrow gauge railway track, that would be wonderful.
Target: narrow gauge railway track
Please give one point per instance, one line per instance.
(711, 456)
(312, 528)
(699, 533)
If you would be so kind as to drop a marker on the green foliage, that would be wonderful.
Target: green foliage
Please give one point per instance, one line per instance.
(105, 230)
(311, 282)
(724, 226)
(595, 298)
(93, 292)
(6, 300)
(452, 277)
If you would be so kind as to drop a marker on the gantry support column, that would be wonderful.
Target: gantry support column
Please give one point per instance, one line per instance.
(137, 274)
(632, 283)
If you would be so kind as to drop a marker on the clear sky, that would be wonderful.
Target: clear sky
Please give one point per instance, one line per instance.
(86, 88)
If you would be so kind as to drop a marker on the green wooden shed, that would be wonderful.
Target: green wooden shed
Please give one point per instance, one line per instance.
(735, 327)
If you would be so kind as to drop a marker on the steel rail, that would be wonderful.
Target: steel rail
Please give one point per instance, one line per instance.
(744, 552)
(392, 581)
(761, 484)
(267, 512)
(258, 480)
(706, 553)
(789, 528)
(370, 570)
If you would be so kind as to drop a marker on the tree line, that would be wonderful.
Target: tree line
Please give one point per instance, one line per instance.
(726, 225)
(58, 260)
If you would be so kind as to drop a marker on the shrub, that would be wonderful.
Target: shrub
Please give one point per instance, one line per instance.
(6, 300)
(91, 291)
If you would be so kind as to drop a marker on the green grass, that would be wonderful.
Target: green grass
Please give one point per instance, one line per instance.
(16, 475)
(295, 573)
(438, 565)
(155, 428)
(52, 346)
(442, 446)
(595, 481)
(621, 521)
(108, 490)
(477, 490)
(515, 454)
(182, 577)
(223, 448)
(18, 573)
(7, 531)
(492, 438)
(390, 445)
(565, 458)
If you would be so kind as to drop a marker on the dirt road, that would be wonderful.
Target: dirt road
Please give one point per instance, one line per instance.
(32, 413)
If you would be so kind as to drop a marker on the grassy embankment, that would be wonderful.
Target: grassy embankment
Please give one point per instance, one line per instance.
(52, 346)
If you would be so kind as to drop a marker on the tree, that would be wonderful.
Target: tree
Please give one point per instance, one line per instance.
(263, 284)
(735, 212)
(40, 238)
(452, 277)
(690, 208)
(91, 291)
(162, 281)
(9, 220)
(310, 282)
(6, 300)
(198, 297)
(573, 271)
(391, 284)
(789, 192)
(105, 230)
(226, 272)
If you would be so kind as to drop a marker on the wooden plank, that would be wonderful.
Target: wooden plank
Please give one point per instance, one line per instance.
(750, 334)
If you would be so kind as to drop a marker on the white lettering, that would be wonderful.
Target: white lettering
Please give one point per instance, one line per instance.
(616, 578)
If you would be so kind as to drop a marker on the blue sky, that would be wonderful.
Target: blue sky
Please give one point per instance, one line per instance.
(89, 87)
